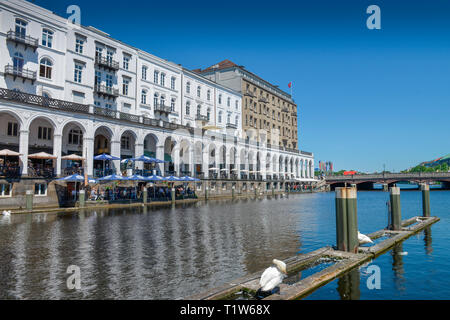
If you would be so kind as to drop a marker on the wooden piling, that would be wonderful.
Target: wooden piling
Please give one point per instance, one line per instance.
(341, 219)
(173, 195)
(145, 196)
(396, 211)
(352, 220)
(29, 200)
(425, 199)
(82, 198)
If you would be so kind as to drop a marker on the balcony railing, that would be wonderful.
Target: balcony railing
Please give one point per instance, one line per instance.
(22, 39)
(162, 108)
(27, 98)
(105, 112)
(201, 117)
(231, 125)
(107, 63)
(106, 91)
(25, 74)
(129, 117)
(263, 100)
(150, 122)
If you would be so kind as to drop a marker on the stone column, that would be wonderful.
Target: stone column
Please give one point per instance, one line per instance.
(160, 156)
(176, 160)
(205, 162)
(57, 147)
(192, 160)
(23, 150)
(115, 151)
(138, 151)
(88, 155)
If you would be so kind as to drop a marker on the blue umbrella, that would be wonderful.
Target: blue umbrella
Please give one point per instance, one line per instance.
(113, 177)
(72, 178)
(171, 178)
(154, 178)
(186, 178)
(135, 177)
(105, 156)
(147, 159)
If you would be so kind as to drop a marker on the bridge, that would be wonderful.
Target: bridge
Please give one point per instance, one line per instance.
(366, 181)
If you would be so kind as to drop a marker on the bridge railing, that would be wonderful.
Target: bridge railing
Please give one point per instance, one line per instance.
(389, 176)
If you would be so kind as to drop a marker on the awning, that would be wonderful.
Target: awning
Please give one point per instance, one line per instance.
(41, 155)
(73, 157)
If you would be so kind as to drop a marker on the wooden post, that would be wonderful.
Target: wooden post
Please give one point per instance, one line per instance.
(396, 210)
(341, 219)
(352, 220)
(385, 187)
(233, 192)
(172, 193)
(426, 199)
(145, 196)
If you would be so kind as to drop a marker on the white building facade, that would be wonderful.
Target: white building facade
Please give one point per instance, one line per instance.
(67, 89)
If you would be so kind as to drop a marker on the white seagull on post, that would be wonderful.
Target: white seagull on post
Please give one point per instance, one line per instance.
(273, 276)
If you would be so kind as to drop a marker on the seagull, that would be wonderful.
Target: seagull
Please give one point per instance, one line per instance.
(363, 239)
(272, 277)
(6, 213)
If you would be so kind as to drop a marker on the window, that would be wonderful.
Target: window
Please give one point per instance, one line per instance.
(125, 142)
(47, 38)
(155, 99)
(144, 97)
(229, 118)
(78, 97)
(40, 189)
(45, 68)
(75, 137)
(109, 56)
(208, 113)
(78, 72)
(21, 28)
(97, 103)
(208, 95)
(172, 83)
(199, 91)
(155, 76)
(163, 79)
(109, 80)
(18, 61)
(163, 101)
(228, 101)
(220, 99)
(5, 189)
(125, 85)
(220, 117)
(108, 106)
(188, 108)
(98, 52)
(144, 73)
(172, 104)
(98, 78)
(126, 62)
(236, 120)
(237, 104)
(44, 133)
(12, 129)
(188, 87)
(199, 109)
(79, 44)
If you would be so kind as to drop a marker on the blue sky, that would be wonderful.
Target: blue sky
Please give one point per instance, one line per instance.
(366, 97)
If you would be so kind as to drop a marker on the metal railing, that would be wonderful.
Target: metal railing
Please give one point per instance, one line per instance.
(162, 108)
(105, 112)
(41, 172)
(129, 117)
(231, 125)
(106, 90)
(201, 117)
(33, 99)
(106, 62)
(20, 72)
(21, 38)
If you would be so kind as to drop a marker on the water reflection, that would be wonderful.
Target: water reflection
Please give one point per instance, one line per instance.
(397, 266)
(428, 241)
(348, 286)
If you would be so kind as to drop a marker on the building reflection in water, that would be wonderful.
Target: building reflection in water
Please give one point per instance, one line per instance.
(348, 286)
(398, 267)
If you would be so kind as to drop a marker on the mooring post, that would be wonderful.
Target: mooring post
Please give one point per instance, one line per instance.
(145, 196)
(173, 195)
(206, 192)
(29, 200)
(82, 198)
(385, 187)
(425, 199)
(273, 190)
(396, 210)
(341, 219)
(352, 220)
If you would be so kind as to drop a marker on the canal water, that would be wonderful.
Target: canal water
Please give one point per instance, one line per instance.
(171, 253)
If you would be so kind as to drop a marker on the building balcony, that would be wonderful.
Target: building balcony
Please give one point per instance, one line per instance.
(24, 74)
(107, 63)
(162, 108)
(231, 126)
(285, 109)
(106, 91)
(294, 113)
(249, 93)
(19, 38)
(263, 100)
(201, 117)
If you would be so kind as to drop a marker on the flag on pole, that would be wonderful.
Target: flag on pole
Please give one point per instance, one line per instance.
(290, 85)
